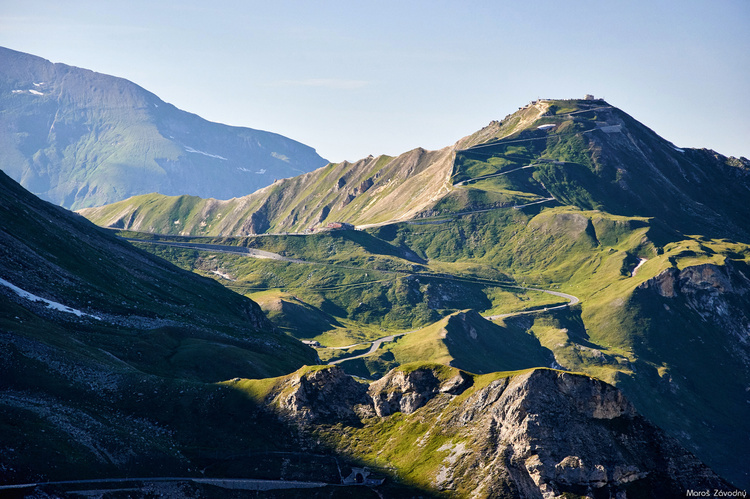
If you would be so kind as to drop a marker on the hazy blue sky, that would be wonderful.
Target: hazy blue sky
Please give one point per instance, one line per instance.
(353, 78)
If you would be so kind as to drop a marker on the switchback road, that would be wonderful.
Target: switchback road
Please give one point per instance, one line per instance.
(572, 300)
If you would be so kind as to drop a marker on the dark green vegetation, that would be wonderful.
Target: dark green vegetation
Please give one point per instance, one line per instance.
(651, 238)
(79, 138)
(131, 391)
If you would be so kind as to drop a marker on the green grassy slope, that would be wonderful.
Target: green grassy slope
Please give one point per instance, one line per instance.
(129, 391)
(464, 340)
(590, 254)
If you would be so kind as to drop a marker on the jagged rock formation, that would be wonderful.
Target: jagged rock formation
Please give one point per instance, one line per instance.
(537, 434)
(400, 391)
(716, 293)
(319, 395)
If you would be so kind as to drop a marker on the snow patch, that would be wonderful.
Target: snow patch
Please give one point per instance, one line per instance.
(280, 156)
(17, 91)
(196, 151)
(223, 275)
(35, 92)
(50, 304)
(259, 172)
(641, 261)
(39, 84)
(546, 127)
(678, 149)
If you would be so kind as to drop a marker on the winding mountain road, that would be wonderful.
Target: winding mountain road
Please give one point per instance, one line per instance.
(254, 253)
(572, 300)
(375, 345)
(220, 248)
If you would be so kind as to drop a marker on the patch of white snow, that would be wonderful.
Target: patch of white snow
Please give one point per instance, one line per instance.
(641, 261)
(51, 304)
(223, 275)
(196, 151)
(35, 92)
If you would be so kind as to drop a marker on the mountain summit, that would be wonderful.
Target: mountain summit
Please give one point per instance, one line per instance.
(79, 138)
(581, 153)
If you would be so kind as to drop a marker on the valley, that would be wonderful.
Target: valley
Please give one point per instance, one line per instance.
(555, 305)
(525, 258)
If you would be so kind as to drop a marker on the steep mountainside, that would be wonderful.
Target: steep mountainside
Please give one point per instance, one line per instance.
(80, 138)
(538, 433)
(371, 190)
(108, 355)
(464, 340)
(586, 154)
(119, 292)
(570, 196)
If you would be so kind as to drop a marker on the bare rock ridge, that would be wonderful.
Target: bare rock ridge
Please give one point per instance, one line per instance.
(539, 433)
(321, 395)
(400, 391)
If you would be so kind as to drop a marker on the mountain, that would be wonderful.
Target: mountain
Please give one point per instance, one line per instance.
(533, 433)
(109, 355)
(581, 153)
(563, 196)
(79, 138)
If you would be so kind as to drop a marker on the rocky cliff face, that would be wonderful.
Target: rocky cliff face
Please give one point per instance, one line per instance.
(323, 395)
(400, 391)
(717, 293)
(547, 433)
(540, 434)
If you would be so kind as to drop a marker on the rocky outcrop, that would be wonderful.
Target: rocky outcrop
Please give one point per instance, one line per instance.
(717, 293)
(406, 391)
(539, 434)
(322, 395)
(257, 223)
(547, 433)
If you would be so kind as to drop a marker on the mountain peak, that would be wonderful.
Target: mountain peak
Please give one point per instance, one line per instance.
(80, 138)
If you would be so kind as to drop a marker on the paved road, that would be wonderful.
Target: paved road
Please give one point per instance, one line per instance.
(220, 248)
(375, 345)
(572, 300)
(482, 177)
(227, 483)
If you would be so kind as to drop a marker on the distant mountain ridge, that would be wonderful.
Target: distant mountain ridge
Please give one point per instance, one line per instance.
(79, 138)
